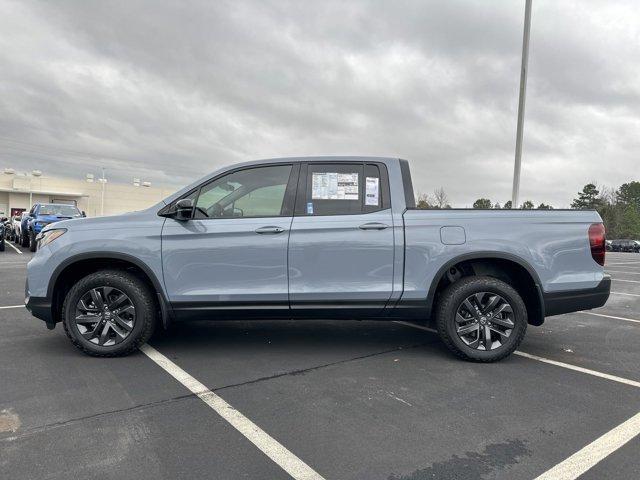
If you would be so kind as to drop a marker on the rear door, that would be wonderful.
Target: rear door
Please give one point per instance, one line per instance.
(341, 247)
(232, 255)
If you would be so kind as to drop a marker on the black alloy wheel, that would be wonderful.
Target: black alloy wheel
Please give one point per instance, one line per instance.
(105, 316)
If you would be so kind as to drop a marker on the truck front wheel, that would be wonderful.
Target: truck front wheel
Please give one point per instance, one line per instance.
(481, 318)
(109, 313)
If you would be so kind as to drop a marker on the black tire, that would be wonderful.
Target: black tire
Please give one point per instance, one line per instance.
(452, 299)
(24, 241)
(32, 242)
(141, 297)
(2, 245)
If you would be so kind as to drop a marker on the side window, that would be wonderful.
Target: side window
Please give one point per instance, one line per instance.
(334, 189)
(344, 189)
(253, 192)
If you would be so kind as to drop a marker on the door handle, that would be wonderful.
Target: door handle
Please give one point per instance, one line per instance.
(373, 226)
(269, 230)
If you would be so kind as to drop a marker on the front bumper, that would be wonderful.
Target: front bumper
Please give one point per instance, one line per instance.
(39, 307)
(557, 303)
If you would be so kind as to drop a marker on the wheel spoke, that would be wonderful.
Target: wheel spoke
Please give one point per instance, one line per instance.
(471, 309)
(104, 335)
(505, 307)
(118, 301)
(499, 332)
(467, 329)
(503, 322)
(83, 306)
(87, 318)
(487, 338)
(122, 323)
(97, 298)
(491, 304)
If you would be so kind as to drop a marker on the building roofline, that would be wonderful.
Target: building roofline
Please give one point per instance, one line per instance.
(44, 192)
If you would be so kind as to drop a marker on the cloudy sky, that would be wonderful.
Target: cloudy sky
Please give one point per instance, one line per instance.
(170, 90)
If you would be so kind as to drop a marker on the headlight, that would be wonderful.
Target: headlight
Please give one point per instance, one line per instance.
(45, 238)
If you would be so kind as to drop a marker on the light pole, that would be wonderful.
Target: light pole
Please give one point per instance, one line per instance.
(103, 181)
(523, 91)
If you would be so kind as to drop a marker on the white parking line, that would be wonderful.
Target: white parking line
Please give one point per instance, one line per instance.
(289, 462)
(623, 263)
(13, 246)
(622, 271)
(12, 306)
(596, 451)
(628, 294)
(576, 368)
(568, 366)
(610, 316)
(623, 280)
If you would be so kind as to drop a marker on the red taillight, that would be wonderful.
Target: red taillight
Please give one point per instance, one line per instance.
(597, 242)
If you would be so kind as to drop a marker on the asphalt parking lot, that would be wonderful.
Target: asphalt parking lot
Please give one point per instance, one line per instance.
(334, 399)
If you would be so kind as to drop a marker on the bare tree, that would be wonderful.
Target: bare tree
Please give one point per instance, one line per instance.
(441, 199)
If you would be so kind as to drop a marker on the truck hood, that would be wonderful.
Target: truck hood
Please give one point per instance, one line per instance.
(123, 221)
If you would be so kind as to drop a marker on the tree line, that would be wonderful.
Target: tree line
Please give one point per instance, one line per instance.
(619, 208)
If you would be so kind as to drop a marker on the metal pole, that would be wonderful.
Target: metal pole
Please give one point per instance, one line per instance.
(523, 92)
(104, 181)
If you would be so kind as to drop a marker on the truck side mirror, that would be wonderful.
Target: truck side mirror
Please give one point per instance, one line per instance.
(184, 209)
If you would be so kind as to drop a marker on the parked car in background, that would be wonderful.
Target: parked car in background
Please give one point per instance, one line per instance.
(16, 220)
(625, 245)
(321, 237)
(608, 245)
(3, 230)
(8, 229)
(41, 215)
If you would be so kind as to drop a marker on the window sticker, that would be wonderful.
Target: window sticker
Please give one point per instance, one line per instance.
(372, 193)
(334, 186)
(310, 208)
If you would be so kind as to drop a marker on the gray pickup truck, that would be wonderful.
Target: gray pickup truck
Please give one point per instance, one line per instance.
(317, 237)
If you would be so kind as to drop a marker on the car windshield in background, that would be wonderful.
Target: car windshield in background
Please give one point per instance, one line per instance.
(59, 210)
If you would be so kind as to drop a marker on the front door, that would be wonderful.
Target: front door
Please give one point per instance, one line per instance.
(341, 245)
(232, 254)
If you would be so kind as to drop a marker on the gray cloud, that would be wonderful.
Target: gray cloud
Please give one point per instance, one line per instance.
(168, 91)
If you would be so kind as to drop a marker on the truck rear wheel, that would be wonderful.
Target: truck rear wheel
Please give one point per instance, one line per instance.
(481, 319)
(109, 313)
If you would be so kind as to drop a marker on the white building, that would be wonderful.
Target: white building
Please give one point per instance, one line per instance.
(18, 191)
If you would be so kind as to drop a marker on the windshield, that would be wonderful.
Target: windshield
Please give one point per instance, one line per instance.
(59, 210)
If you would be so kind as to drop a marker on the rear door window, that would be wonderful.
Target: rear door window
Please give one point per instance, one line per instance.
(343, 189)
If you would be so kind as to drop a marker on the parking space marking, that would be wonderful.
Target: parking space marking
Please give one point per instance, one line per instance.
(622, 271)
(277, 452)
(13, 246)
(623, 280)
(623, 263)
(576, 368)
(624, 293)
(12, 306)
(596, 451)
(610, 316)
(568, 366)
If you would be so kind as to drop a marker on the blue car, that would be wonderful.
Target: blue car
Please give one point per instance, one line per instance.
(41, 215)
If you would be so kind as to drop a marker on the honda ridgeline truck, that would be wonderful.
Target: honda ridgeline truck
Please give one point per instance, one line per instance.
(319, 237)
